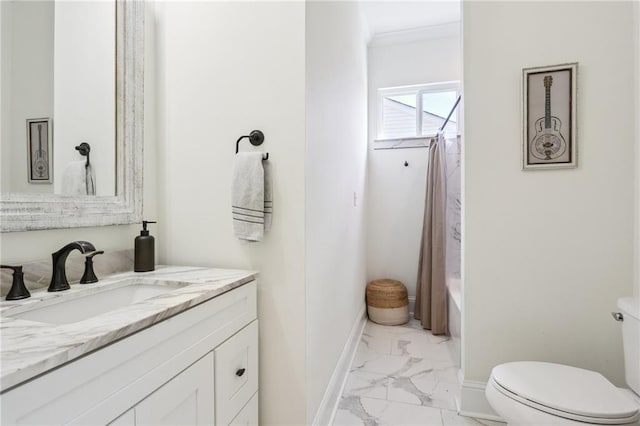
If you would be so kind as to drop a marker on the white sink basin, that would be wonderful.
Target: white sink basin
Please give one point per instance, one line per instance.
(70, 308)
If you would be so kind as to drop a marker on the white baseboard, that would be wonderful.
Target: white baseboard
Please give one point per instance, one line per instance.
(473, 403)
(458, 398)
(329, 404)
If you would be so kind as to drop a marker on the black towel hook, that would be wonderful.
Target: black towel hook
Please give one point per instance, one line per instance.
(84, 149)
(256, 137)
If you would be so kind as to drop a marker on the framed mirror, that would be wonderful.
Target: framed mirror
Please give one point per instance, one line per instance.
(72, 110)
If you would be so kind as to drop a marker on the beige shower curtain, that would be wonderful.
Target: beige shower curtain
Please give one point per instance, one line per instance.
(431, 292)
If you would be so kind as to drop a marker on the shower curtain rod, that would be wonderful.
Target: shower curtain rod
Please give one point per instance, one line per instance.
(451, 113)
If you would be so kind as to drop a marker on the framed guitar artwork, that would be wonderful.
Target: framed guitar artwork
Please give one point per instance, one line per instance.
(39, 153)
(549, 117)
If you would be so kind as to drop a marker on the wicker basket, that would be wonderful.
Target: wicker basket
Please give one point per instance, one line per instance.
(387, 302)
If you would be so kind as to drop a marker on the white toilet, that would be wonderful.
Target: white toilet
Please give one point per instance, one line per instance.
(541, 393)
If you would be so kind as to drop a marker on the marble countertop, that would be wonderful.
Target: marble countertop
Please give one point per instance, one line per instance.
(30, 348)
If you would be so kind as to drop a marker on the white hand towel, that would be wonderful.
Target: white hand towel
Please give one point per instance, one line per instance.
(248, 196)
(268, 196)
(91, 180)
(78, 179)
(74, 178)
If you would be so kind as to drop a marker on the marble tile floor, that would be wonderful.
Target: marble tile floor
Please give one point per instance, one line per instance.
(402, 375)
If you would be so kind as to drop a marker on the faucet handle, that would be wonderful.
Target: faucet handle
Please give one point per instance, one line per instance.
(18, 290)
(95, 253)
(89, 275)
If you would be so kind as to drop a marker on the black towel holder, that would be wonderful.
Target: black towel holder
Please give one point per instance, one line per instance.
(256, 137)
(84, 149)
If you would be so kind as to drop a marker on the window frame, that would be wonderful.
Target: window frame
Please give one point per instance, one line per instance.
(419, 91)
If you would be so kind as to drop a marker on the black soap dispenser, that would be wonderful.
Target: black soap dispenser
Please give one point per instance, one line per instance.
(145, 252)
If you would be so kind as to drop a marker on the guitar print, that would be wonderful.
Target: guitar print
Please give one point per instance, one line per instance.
(40, 164)
(548, 143)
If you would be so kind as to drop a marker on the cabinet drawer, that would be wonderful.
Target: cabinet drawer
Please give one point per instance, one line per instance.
(185, 400)
(249, 414)
(236, 372)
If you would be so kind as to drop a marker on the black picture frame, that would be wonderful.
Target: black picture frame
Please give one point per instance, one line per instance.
(39, 150)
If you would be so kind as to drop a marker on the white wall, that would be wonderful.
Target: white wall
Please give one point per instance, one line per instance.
(224, 69)
(84, 88)
(396, 193)
(336, 117)
(6, 14)
(28, 64)
(547, 253)
(636, 6)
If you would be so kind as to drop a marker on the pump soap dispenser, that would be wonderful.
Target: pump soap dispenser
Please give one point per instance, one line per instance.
(144, 253)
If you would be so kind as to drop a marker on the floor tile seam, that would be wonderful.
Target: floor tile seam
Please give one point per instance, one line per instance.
(388, 375)
(391, 375)
(404, 403)
(427, 393)
(412, 377)
(409, 356)
(420, 404)
(435, 371)
(360, 370)
(375, 353)
(370, 397)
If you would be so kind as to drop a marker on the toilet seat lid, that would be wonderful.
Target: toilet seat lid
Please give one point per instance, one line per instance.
(565, 390)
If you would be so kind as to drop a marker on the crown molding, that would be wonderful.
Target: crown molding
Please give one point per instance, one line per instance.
(434, 32)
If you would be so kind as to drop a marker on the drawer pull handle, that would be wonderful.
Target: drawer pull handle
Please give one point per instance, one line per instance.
(240, 372)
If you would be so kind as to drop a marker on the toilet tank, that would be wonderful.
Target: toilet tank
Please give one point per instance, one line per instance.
(630, 309)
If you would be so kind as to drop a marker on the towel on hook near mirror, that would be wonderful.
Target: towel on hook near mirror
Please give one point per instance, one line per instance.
(78, 178)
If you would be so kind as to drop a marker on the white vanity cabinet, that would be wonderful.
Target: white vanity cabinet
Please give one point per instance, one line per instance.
(236, 372)
(185, 400)
(198, 367)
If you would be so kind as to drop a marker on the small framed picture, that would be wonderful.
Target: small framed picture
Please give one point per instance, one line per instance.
(549, 117)
(39, 154)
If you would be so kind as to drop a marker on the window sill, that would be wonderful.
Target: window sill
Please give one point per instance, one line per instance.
(408, 138)
(403, 143)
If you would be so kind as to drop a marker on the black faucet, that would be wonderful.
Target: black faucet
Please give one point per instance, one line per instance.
(18, 290)
(59, 276)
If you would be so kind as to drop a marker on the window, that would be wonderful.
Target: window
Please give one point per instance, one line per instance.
(417, 111)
